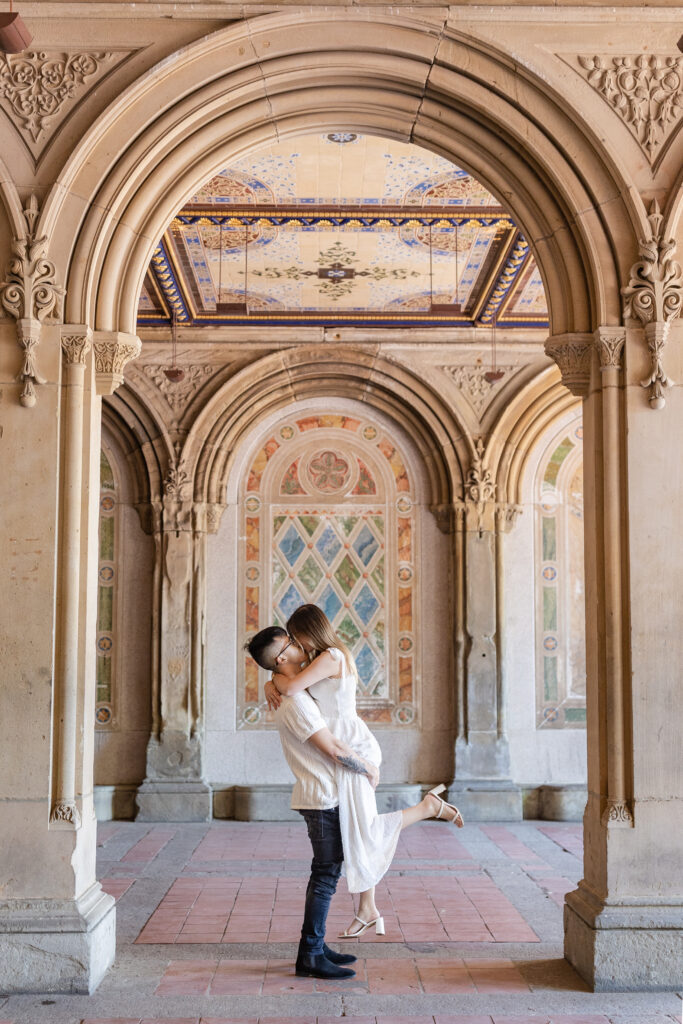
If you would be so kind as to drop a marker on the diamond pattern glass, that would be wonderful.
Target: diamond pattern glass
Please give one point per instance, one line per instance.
(365, 545)
(328, 545)
(341, 569)
(291, 544)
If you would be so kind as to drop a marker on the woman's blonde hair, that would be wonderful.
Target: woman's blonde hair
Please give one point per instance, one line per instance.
(311, 624)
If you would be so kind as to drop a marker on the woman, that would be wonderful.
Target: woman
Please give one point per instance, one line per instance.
(369, 838)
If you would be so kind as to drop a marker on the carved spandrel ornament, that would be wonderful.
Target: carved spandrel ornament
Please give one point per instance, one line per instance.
(30, 294)
(472, 382)
(39, 88)
(654, 296)
(645, 90)
(179, 394)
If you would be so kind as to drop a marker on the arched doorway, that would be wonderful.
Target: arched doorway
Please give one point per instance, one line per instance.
(106, 240)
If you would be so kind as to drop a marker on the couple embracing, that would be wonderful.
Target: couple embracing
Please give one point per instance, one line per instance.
(335, 760)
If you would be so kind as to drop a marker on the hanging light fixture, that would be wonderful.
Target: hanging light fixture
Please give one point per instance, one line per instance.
(174, 372)
(494, 373)
(14, 36)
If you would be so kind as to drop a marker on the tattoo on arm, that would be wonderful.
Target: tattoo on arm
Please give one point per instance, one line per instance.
(353, 764)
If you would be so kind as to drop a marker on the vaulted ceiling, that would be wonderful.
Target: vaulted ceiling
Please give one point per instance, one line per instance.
(343, 228)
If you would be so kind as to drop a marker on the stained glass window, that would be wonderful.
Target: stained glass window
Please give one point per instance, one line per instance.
(329, 519)
(560, 645)
(106, 594)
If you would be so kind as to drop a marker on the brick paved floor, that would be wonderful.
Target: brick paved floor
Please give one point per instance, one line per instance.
(208, 918)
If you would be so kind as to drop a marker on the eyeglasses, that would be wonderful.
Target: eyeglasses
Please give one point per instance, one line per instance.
(288, 644)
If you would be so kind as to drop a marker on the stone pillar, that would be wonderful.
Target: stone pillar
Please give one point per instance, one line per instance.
(483, 788)
(57, 926)
(624, 922)
(174, 788)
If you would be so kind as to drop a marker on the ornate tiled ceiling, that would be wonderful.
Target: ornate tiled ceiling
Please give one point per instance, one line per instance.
(340, 229)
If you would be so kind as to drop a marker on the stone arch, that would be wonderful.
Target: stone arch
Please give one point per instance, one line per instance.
(580, 217)
(278, 379)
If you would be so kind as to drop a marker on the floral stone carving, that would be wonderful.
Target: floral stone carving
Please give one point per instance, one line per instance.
(113, 350)
(36, 86)
(472, 381)
(178, 394)
(646, 91)
(654, 295)
(30, 293)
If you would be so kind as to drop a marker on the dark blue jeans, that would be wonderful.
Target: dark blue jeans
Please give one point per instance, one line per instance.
(326, 866)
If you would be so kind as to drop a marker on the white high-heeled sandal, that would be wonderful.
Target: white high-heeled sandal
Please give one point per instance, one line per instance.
(377, 921)
(457, 818)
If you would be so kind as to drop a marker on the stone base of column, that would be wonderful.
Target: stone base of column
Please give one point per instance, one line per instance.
(626, 946)
(57, 946)
(272, 802)
(486, 799)
(172, 800)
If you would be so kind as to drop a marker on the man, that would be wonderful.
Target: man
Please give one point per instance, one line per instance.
(312, 753)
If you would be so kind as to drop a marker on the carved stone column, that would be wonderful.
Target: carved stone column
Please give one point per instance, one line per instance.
(482, 788)
(573, 354)
(174, 788)
(57, 925)
(624, 922)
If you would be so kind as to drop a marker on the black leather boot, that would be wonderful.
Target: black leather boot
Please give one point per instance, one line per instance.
(338, 958)
(316, 965)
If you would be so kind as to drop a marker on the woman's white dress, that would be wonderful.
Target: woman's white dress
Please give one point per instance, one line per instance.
(369, 838)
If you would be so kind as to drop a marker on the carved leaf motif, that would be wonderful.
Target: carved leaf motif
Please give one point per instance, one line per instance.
(645, 90)
(473, 383)
(180, 394)
(35, 86)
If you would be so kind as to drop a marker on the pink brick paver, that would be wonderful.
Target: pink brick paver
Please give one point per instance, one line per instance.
(460, 907)
(377, 976)
(147, 848)
(116, 887)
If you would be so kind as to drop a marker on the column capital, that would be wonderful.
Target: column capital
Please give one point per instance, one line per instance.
(572, 353)
(76, 341)
(609, 343)
(113, 350)
(507, 514)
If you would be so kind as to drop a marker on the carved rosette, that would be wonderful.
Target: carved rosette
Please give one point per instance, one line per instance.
(113, 350)
(30, 293)
(654, 296)
(609, 342)
(572, 353)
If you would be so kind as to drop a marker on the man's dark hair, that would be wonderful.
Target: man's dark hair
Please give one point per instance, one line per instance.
(259, 647)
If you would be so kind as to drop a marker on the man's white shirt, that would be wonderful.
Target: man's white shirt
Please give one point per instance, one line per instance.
(297, 719)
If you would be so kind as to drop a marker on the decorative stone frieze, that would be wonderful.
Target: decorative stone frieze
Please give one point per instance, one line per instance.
(113, 350)
(38, 87)
(654, 296)
(30, 293)
(179, 394)
(646, 91)
(572, 353)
